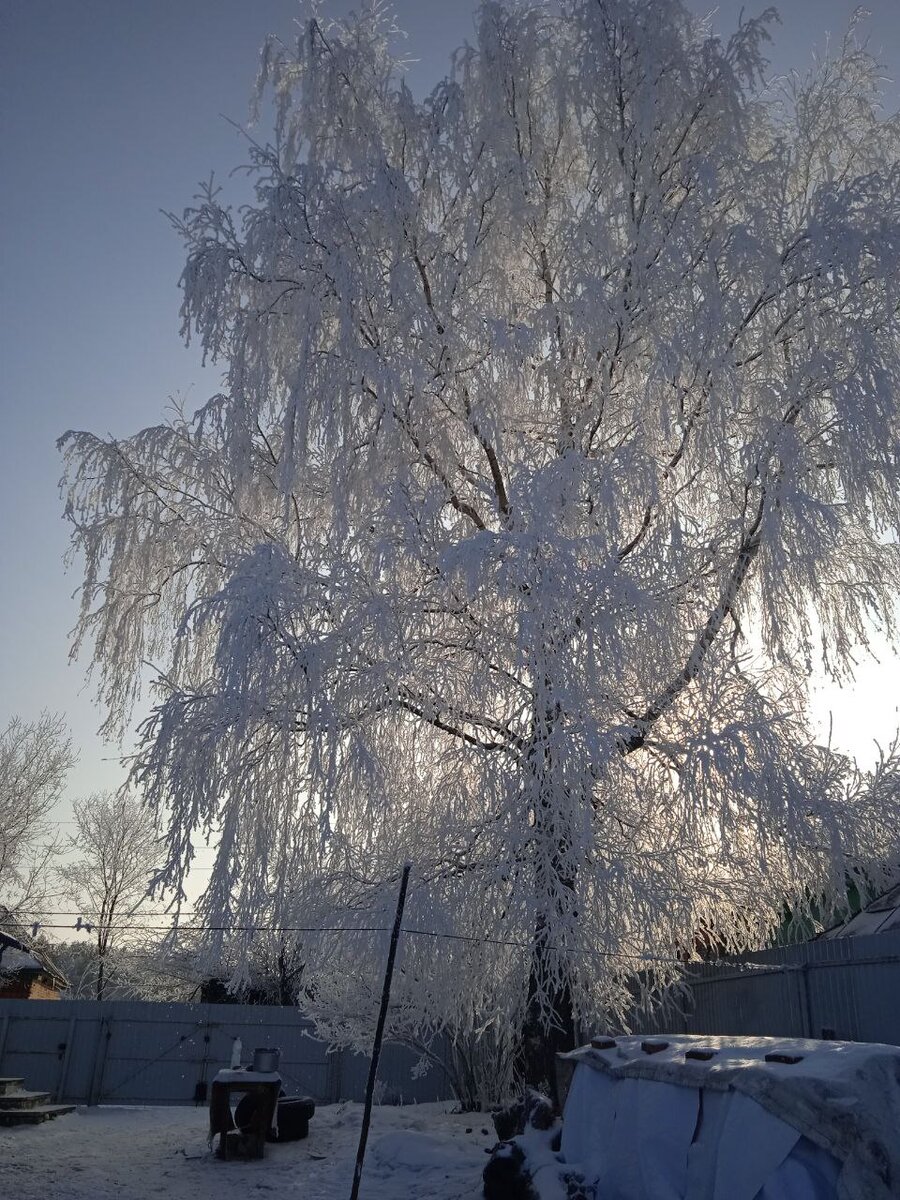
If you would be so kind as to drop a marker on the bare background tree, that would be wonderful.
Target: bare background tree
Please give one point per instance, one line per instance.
(119, 846)
(146, 967)
(35, 758)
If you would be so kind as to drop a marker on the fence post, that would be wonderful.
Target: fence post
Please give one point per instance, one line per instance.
(67, 1054)
(102, 1048)
(334, 1060)
(379, 1033)
(800, 973)
(807, 1000)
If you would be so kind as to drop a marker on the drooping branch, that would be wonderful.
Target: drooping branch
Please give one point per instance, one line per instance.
(663, 701)
(452, 723)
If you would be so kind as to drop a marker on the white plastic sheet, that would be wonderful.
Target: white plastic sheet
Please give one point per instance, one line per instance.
(643, 1139)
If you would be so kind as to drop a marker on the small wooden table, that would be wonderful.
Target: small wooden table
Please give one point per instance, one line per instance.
(251, 1141)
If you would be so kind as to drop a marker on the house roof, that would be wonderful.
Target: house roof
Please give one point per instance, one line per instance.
(14, 961)
(17, 957)
(882, 915)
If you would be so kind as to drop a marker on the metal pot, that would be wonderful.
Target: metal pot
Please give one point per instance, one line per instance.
(265, 1060)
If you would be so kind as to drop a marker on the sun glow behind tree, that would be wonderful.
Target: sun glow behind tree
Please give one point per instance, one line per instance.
(536, 392)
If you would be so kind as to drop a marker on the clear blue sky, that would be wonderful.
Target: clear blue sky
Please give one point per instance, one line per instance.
(111, 110)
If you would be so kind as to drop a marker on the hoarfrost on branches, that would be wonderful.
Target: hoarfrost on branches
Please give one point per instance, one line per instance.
(118, 844)
(35, 758)
(557, 445)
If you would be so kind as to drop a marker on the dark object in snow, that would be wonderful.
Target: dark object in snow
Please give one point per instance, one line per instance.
(255, 1123)
(654, 1047)
(516, 1159)
(234, 1144)
(506, 1176)
(292, 1118)
(508, 1121)
(246, 1112)
(290, 1121)
(790, 1059)
(577, 1189)
(699, 1053)
(539, 1112)
(603, 1043)
(534, 1110)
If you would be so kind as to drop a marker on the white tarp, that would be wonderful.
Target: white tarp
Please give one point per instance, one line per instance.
(736, 1127)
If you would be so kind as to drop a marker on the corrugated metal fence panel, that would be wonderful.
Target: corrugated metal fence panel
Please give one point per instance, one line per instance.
(844, 988)
(153, 1053)
(833, 989)
(878, 1001)
(36, 1052)
(853, 984)
(132, 1052)
(746, 1001)
(399, 1079)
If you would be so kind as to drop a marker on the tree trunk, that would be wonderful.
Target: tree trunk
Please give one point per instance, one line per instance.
(539, 1044)
(549, 1028)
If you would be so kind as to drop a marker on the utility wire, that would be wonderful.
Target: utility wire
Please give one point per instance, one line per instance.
(346, 929)
(79, 912)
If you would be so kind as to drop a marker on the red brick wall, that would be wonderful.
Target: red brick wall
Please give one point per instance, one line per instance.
(28, 987)
(15, 989)
(41, 989)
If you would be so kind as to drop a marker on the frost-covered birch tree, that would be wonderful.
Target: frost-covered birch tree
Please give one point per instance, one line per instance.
(118, 845)
(556, 448)
(35, 758)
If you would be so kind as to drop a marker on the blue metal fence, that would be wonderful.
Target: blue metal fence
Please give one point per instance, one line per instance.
(844, 988)
(135, 1052)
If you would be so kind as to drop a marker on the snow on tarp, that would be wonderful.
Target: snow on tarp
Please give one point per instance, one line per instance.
(736, 1127)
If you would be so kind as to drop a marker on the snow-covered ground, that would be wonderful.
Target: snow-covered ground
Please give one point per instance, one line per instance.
(109, 1153)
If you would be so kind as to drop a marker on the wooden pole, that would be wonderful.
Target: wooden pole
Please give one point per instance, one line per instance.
(379, 1035)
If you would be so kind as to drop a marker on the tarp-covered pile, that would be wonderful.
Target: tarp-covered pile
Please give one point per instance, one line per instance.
(755, 1119)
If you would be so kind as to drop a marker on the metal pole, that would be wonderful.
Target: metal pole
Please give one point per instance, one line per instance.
(66, 1056)
(379, 1035)
(102, 1048)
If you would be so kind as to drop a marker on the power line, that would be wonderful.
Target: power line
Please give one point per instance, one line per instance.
(223, 928)
(347, 929)
(79, 912)
(463, 937)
